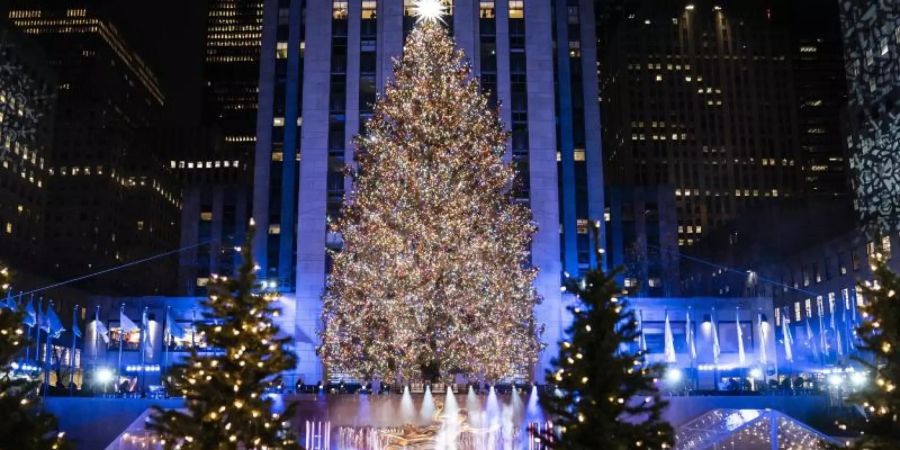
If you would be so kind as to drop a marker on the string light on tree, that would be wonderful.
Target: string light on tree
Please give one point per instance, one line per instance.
(433, 278)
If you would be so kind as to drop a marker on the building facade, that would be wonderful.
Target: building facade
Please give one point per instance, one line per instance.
(323, 63)
(215, 168)
(642, 239)
(872, 58)
(27, 107)
(109, 199)
(700, 95)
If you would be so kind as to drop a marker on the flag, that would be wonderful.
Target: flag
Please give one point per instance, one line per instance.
(51, 324)
(126, 324)
(716, 349)
(788, 339)
(30, 319)
(100, 327)
(823, 341)
(8, 302)
(669, 342)
(689, 334)
(810, 340)
(147, 343)
(643, 338)
(75, 330)
(763, 340)
(742, 357)
(173, 329)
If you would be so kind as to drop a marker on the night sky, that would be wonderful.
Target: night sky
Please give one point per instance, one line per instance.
(168, 34)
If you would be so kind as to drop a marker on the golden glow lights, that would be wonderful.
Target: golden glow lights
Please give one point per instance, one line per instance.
(433, 277)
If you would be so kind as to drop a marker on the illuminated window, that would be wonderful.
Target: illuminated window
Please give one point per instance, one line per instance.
(797, 310)
(339, 10)
(278, 122)
(368, 9)
(886, 246)
(9, 228)
(140, 225)
(202, 281)
(487, 9)
(809, 307)
(579, 154)
(277, 156)
(281, 50)
(516, 9)
(820, 305)
(206, 216)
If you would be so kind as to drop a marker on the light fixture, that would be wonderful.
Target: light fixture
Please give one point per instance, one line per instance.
(756, 373)
(689, 7)
(858, 378)
(103, 375)
(674, 375)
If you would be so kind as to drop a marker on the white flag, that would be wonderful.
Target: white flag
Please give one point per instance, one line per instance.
(148, 340)
(689, 334)
(742, 357)
(173, 329)
(763, 340)
(100, 327)
(669, 342)
(126, 324)
(716, 349)
(788, 339)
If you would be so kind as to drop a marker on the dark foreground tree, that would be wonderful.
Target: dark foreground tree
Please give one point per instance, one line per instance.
(22, 423)
(604, 397)
(225, 391)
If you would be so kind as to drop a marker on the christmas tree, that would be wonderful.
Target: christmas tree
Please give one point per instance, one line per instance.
(225, 391)
(23, 425)
(880, 336)
(433, 277)
(600, 396)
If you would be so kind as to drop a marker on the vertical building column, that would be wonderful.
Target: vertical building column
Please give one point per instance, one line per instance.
(313, 189)
(264, 117)
(351, 127)
(390, 39)
(190, 235)
(542, 158)
(593, 144)
(465, 29)
(289, 164)
(504, 94)
(566, 144)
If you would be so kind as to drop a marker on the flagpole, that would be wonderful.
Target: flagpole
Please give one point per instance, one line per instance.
(37, 341)
(28, 347)
(121, 339)
(96, 333)
(143, 350)
(72, 353)
(166, 338)
(48, 360)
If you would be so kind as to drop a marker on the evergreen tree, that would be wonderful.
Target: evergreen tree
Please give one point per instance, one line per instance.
(880, 336)
(432, 279)
(22, 424)
(599, 396)
(225, 390)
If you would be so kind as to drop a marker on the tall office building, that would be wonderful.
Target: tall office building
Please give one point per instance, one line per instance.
(109, 199)
(700, 95)
(872, 58)
(322, 64)
(215, 166)
(821, 88)
(27, 105)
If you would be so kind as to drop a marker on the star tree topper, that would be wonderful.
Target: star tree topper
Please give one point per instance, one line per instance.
(429, 10)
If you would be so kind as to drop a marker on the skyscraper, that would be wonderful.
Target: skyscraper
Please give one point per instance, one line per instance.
(216, 166)
(321, 66)
(700, 95)
(109, 199)
(872, 58)
(27, 106)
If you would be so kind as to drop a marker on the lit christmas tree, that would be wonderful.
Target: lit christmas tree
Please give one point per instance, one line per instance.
(225, 391)
(23, 425)
(880, 335)
(601, 396)
(433, 278)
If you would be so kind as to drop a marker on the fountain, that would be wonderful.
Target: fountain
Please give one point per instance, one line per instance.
(497, 422)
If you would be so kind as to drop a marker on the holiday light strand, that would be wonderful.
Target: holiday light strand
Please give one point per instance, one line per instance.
(433, 277)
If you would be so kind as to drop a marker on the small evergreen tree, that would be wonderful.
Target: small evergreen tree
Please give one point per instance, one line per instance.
(880, 336)
(599, 396)
(225, 391)
(22, 424)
